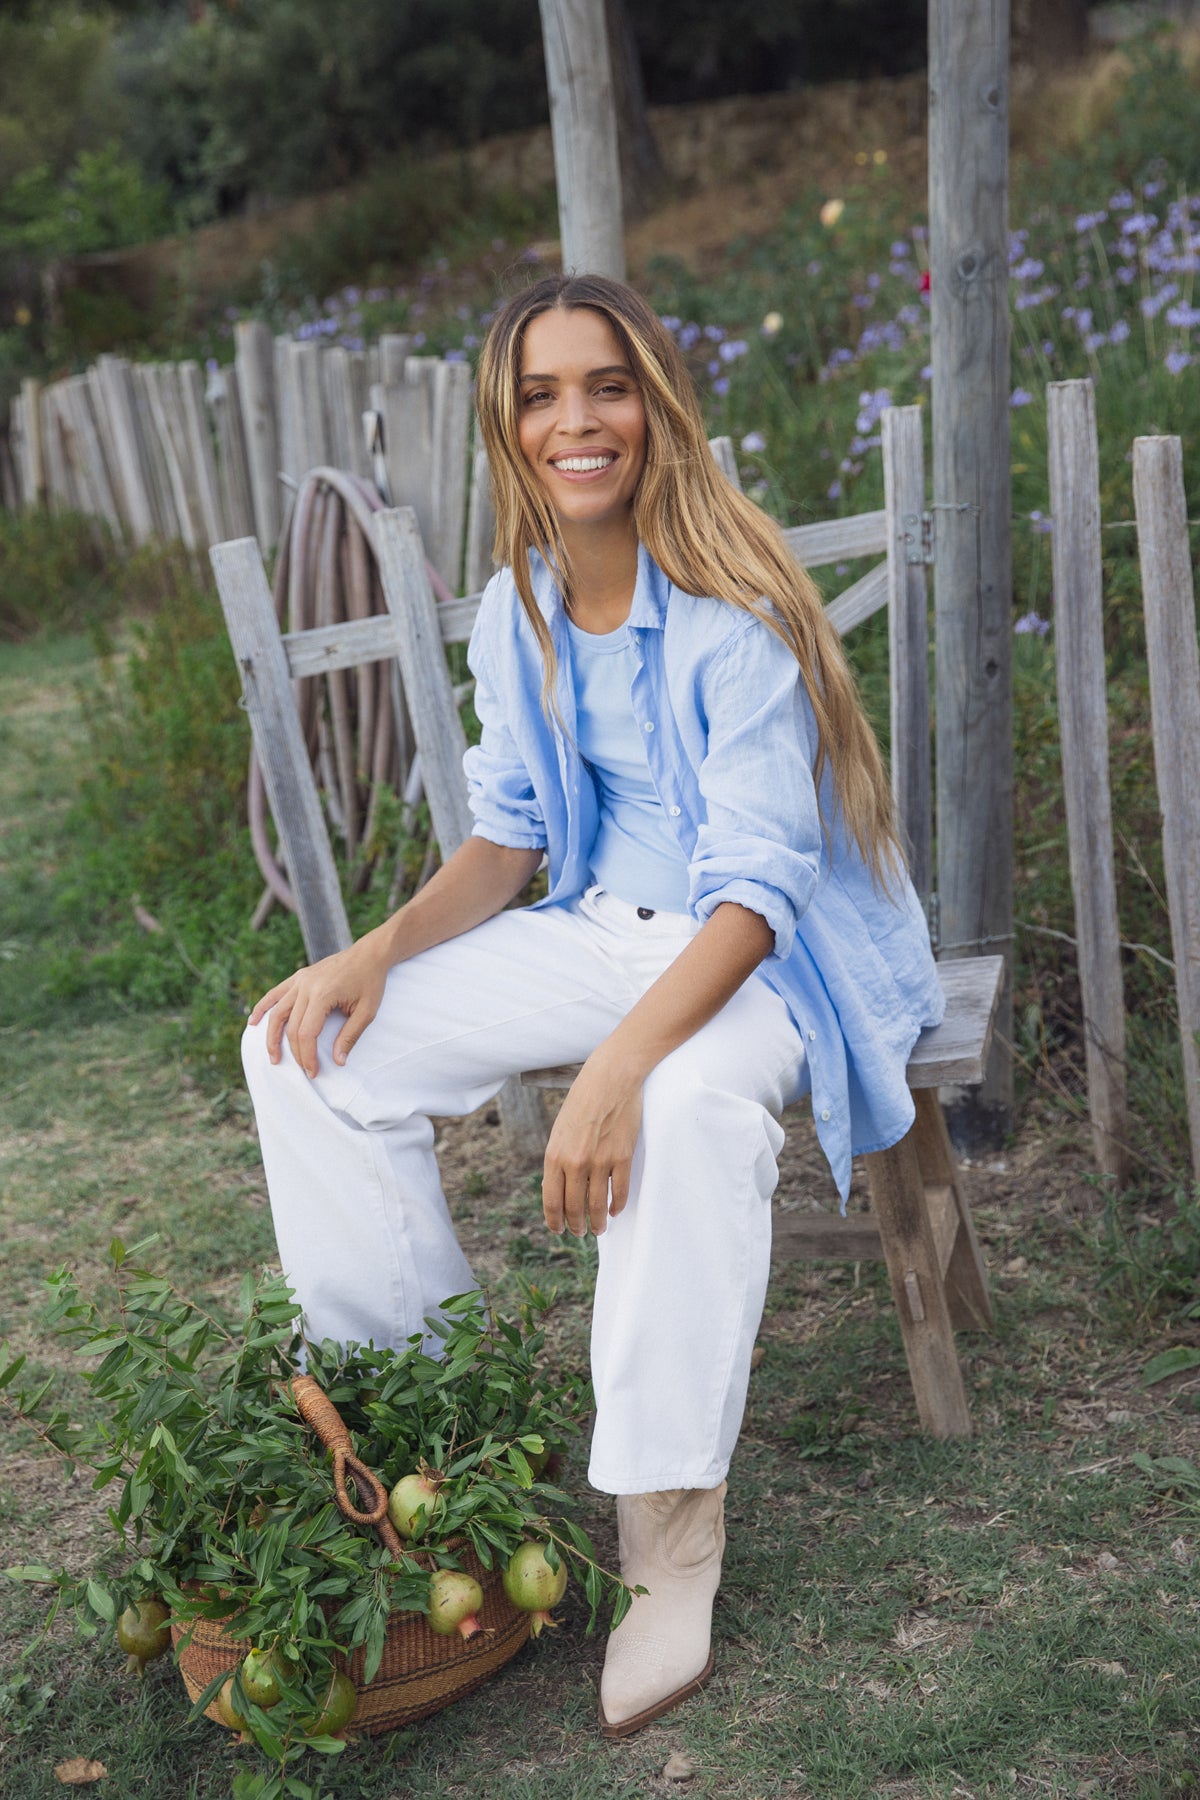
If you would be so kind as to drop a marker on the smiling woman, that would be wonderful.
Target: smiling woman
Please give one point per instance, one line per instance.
(667, 717)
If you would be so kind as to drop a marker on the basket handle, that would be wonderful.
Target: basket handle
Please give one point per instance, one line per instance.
(318, 1411)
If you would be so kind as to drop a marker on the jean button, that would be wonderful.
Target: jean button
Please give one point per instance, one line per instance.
(645, 912)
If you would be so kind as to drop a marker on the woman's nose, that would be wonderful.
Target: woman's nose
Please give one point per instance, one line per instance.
(575, 411)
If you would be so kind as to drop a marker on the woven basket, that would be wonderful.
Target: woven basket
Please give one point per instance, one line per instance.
(420, 1672)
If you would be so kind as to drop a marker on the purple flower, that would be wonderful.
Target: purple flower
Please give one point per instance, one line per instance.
(470, 341)
(753, 442)
(1028, 269)
(721, 385)
(688, 336)
(1152, 304)
(714, 333)
(1031, 622)
(714, 367)
(900, 250)
(834, 491)
(1089, 221)
(455, 356)
(1094, 341)
(1183, 316)
(1040, 522)
(873, 281)
(814, 267)
(732, 348)
(927, 372)
(1176, 361)
(1152, 188)
(1020, 397)
(1141, 223)
(1121, 201)
(669, 322)
(1119, 332)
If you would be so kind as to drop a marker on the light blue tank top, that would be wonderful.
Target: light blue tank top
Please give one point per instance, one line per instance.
(636, 855)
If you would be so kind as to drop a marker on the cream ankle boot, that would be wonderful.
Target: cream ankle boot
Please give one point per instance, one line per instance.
(671, 1544)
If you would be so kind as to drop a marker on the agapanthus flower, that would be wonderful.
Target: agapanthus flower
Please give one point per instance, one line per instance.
(1031, 622)
(753, 442)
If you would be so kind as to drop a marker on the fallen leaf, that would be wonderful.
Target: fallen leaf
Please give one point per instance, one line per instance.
(1106, 1560)
(756, 1355)
(878, 1690)
(1110, 1668)
(1121, 1416)
(79, 1771)
(680, 1767)
(1016, 1265)
(1181, 1551)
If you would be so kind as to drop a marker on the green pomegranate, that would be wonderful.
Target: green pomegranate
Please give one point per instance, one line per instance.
(454, 1603)
(533, 1585)
(227, 1708)
(338, 1706)
(260, 1677)
(144, 1632)
(410, 1494)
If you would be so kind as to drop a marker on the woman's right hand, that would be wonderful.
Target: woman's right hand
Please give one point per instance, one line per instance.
(351, 981)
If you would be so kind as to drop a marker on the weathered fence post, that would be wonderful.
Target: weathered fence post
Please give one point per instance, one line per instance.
(908, 639)
(968, 245)
(1170, 605)
(1083, 729)
(255, 357)
(583, 125)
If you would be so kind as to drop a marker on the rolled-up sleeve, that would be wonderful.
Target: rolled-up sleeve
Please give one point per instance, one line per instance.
(499, 787)
(759, 845)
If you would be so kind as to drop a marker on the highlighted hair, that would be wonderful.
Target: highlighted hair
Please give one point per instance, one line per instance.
(704, 534)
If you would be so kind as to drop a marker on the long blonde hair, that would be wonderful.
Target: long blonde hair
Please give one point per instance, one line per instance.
(704, 534)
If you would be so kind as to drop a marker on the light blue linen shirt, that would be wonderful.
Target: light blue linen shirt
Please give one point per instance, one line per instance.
(731, 742)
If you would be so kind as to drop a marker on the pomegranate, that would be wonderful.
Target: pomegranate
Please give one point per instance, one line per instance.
(260, 1677)
(533, 1585)
(227, 1708)
(410, 1494)
(454, 1602)
(143, 1632)
(338, 1706)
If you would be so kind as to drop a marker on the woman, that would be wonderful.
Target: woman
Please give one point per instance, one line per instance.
(667, 715)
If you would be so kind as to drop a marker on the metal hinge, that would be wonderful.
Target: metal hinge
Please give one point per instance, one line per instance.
(918, 538)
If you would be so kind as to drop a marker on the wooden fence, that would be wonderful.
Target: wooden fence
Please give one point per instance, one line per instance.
(160, 450)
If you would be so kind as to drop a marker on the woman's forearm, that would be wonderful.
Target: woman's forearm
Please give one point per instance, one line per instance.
(476, 882)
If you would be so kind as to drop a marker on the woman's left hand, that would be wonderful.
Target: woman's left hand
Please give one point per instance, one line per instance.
(588, 1158)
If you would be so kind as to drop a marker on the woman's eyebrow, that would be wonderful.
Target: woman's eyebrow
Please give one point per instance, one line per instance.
(592, 374)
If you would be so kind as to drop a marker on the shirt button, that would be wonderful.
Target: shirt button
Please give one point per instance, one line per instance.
(649, 725)
(674, 811)
(825, 1116)
(812, 1037)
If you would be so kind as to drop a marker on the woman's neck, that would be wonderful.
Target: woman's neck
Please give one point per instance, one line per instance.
(604, 568)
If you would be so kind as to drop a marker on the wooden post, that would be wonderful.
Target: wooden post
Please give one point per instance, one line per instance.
(155, 457)
(1170, 605)
(224, 396)
(908, 639)
(200, 450)
(968, 229)
(1083, 728)
(115, 379)
(583, 125)
(451, 436)
(255, 357)
(481, 524)
(407, 407)
(33, 474)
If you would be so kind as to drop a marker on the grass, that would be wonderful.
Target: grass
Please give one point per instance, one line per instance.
(1011, 1615)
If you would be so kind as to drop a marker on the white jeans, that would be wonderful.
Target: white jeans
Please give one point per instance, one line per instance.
(364, 1233)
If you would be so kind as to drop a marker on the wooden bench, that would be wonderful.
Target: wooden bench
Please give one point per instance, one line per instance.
(920, 1223)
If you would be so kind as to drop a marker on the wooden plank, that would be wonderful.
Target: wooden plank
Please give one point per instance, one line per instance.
(105, 445)
(1169, 600)
(726, 459)
(255, 362)
(17, 441)
(1083, 731)
(295, 806)
(115, 379)
(90, 464)
(908, 641)
(303, 361)
(325, 648)
(163, 391)
(344, 377)
(943, 1222)
(33, 472)
(286, 415)
(956, 1050)
(968, 251)
(237, 496)
(408, 434)
(200, 450)
(154, 457)
(868, 595)
(451, 435)
(824, 1237)
(966, 1281)
(395, 348)
(897, 1200)
(583, 127)
(838, 540)
(481, 524)
(50, 424)
(437, 728)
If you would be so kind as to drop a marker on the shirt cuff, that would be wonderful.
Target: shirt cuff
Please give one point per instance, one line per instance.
(768, 902)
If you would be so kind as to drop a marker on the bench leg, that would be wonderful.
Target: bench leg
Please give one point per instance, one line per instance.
(966, 1278)
(898, 1201)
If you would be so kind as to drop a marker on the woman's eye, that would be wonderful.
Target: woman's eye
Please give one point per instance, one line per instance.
(537, 397)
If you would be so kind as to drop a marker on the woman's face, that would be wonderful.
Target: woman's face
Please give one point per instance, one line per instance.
(582, 425)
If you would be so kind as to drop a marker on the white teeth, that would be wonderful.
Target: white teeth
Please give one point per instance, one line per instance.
(583, 465)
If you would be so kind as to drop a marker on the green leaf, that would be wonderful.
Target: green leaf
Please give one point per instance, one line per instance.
(101, 1602)
(116, 1253)
(1170, 1362)
(30, 1572)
